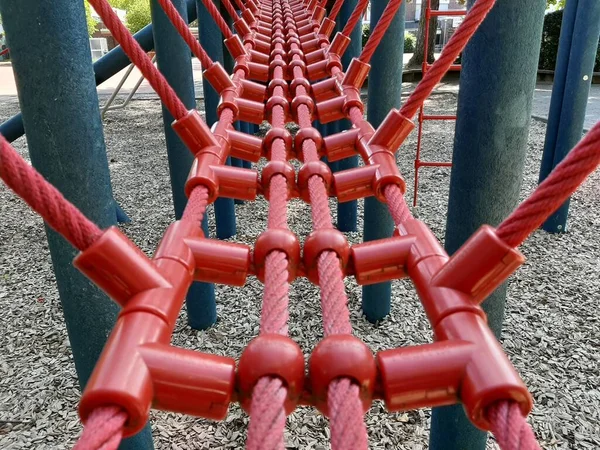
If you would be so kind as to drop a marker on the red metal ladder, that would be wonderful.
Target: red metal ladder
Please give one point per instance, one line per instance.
(422, 117)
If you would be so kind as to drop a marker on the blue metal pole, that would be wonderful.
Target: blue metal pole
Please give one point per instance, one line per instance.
(212, 41)
(579, 36)
(346, 212)
(174, 61)
(494, 108)
(385, 88)
(53, 68)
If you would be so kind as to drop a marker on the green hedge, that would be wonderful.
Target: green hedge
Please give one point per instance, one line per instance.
(550, 39)
(410, 40)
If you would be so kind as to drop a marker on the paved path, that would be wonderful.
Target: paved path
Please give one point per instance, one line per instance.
(541, 101)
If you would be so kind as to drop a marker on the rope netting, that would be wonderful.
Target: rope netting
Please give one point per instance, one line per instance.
(345, 390)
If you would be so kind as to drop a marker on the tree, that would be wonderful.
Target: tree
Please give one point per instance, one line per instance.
(418, 57)
(137, 13)
(91, 22)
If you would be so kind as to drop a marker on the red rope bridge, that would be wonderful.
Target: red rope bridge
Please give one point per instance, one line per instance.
(288, 69)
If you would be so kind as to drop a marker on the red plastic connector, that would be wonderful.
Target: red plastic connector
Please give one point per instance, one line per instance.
(118, 267)
(219, 261)
(319, 241)
(340, 145)
(380, 260)
(152, 372)
(482, 264)
(393, 131)
(245, 146)
(194, 132)
(278, 133)
(277, 239)
(313, 168)
(341, 356)
(271, 355)
(284, 169)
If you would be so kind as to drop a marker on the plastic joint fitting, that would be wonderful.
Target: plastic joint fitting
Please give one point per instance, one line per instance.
(271, 355)
(319, 241)
(308, 170)
(482, 264)
(194, 132)
(341, 356)
(277, 239)
(278, 133)
(153, 372)
(282, 168)
(380, 260)
(219, 261)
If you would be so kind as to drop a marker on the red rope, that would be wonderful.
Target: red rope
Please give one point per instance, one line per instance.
(267, 412)
(553, 191)
(230, 9)
(196, 206)
(240, 5)
(61, 215)
(139, 58)
(335, 10)
(103, 429)
(510, 428)
(184, 31)
(218, 18)
(451, 50)
(355, 17)
(379, 31)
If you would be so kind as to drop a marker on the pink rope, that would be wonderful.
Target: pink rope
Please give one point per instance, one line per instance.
(60, 214)
(103, 429)
(510, 428)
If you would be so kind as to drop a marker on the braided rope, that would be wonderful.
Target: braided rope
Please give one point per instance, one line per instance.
(553, 191)
(218, 18)
(379, 31)
(355, 17)
(60, 214)
(137, 55)
(184, 31)
(510, 428)
(451, 50)
(103, 429)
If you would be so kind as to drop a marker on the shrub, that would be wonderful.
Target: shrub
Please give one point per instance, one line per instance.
(410, 40)
(366, 32)
(550, 41)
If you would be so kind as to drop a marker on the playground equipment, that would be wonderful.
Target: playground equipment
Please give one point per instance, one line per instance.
(286, 44)
(422, 117)
(108, 106)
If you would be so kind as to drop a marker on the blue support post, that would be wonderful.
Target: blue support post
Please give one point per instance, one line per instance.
(107, 66)
(346, 215)
(53, 68)
(580, 31)
(385, 89)
(212, 41)
(499, 71)
(174, 61)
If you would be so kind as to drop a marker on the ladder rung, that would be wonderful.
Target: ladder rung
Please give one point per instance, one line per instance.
(457, 12)
(438, 117)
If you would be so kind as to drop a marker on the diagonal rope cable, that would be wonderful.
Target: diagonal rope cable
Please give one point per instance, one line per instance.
(60, 214)
(553, 191)
(379, 31)
(355, 17)
(218, 18)
(452, 49)
(137, 55)
(184, 30)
